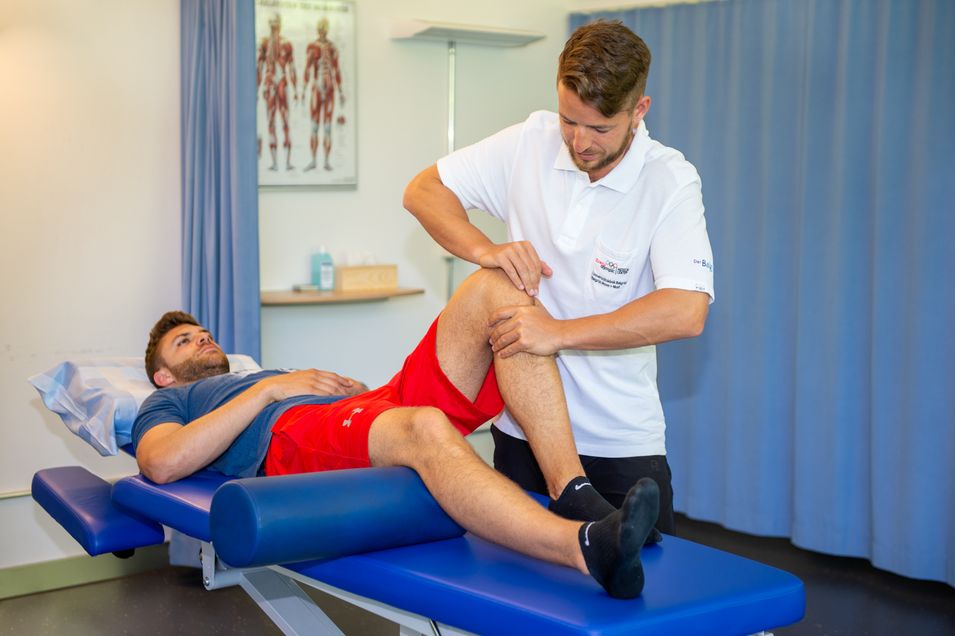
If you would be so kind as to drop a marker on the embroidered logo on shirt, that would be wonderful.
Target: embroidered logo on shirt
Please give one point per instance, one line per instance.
(705, 264)
(353, 413)
(610, 266)
(606, 271)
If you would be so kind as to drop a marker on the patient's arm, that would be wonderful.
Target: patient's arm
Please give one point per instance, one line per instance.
(171, 451)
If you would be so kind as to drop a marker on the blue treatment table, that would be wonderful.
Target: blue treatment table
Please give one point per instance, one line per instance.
(452, 586)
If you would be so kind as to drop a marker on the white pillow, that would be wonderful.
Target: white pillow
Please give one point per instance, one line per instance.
(98, 398)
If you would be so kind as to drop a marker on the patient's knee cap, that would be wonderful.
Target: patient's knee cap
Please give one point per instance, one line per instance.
(264, 521)
(497, 289)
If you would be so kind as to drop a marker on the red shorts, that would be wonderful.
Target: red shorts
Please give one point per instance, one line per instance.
(317, 437)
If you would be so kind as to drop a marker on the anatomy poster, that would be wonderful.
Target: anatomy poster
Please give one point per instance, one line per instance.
(305, 95)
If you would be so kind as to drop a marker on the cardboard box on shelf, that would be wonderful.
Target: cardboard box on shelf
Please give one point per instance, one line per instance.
(365, 277)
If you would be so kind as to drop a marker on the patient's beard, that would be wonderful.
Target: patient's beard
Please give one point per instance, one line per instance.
(200, 367)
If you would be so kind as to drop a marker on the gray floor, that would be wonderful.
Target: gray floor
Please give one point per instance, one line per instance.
(844, 596)
(167, 601)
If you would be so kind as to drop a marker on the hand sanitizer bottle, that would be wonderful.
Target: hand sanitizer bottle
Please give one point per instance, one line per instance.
(323, 270)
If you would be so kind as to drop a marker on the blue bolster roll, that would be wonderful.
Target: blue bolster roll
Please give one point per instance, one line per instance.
(272, 520)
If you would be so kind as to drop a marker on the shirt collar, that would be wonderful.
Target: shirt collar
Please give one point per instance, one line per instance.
(624, 175)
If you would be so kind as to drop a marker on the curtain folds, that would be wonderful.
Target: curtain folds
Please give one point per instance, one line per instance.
(820, 402)
(220, 242)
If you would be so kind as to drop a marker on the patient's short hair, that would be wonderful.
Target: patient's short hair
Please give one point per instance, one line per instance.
(169, 321)
(606, 64)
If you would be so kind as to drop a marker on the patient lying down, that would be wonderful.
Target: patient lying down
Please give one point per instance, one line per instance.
(281, 422)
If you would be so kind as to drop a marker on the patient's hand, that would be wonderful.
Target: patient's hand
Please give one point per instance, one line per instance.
(310, 382)
(357, 387)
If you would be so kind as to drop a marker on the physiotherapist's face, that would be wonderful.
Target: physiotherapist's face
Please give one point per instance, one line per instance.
(596, 143)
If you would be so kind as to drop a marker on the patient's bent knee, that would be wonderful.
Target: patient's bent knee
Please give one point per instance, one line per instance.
(408, 436)
(429, 421)
(431, 430)
(497, 289)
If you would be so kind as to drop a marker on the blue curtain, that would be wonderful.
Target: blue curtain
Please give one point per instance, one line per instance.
(820, 402)
(220, 232)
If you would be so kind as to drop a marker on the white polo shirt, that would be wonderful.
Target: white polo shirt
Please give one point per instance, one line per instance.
(638, 229)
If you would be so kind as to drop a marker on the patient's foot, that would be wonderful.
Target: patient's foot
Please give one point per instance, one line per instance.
(580, 501)
(612, 545)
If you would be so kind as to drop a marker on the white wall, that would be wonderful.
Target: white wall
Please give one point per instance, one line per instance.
(89, 206)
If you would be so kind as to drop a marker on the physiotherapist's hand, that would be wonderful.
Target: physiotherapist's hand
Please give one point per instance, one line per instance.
(528, 329)
(519, 260)
(310, 382)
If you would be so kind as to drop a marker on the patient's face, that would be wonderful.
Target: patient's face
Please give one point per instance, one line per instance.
(190, 353)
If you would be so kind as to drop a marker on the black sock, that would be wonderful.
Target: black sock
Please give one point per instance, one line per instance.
(580, 501)
(612, 545)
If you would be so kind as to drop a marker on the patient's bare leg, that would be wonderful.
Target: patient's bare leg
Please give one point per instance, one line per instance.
(469, 490)
(530, 384)
(491, 506)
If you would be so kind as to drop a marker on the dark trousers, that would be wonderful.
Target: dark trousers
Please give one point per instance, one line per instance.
(611, 476)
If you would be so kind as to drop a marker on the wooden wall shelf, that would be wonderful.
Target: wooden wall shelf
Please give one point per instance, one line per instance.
(288, 297)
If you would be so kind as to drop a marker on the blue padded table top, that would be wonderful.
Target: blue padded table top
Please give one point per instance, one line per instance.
(183, 505)
(477, 586)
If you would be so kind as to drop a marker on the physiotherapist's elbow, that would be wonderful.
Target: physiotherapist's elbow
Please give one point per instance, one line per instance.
(412, 191)
(696, 320)
(418, 188)
(407, 201)
(695, 329)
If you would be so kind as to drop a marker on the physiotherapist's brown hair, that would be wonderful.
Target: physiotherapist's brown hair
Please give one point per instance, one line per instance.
(606, 64)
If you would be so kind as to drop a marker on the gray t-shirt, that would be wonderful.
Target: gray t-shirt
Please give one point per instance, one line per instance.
(184, 404)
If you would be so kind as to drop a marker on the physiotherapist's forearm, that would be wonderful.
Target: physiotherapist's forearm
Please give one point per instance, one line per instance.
(660, 316)
(441, 214)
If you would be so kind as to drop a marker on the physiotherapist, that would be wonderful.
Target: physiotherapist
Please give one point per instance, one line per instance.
(606, 231)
